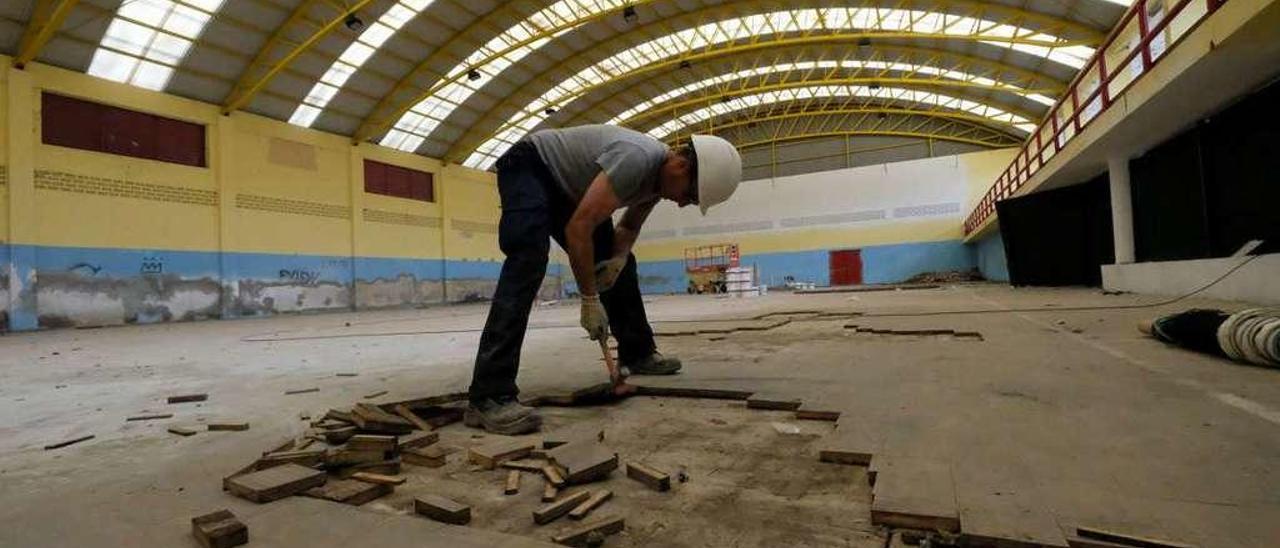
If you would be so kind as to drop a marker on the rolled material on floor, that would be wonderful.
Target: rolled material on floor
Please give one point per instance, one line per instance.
(1252, 336)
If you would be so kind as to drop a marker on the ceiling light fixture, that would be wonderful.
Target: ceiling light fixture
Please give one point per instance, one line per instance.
(549, 111)
(354, 23)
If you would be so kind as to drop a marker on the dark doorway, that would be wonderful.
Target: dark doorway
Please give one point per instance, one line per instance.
(1060, 236)
(846, 267)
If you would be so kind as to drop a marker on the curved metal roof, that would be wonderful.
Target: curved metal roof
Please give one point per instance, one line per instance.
(463, 80)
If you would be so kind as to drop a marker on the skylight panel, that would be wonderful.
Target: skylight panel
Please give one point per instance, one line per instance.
(896, 94)
(747, 27)
(807, 65)
(355, 56)
(147, 39)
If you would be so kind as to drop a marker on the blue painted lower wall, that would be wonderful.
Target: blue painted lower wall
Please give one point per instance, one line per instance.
(77, 286)
(991, 259)
(880, 264)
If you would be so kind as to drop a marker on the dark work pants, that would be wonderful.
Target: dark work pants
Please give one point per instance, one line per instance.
(534, 210)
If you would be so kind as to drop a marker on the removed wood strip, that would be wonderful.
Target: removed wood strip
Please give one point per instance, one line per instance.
(553, 511)
(301, 391)
(389, 467)
(346, 374)
(186, 398)
(72, 441)
(429, 401)
(601, 527)
(182, 431)
(338, 436)
(513, 483)
(527, 466)
(349, 491)
(583, 462)
(817, 415)
(372, 418)
(219, 529)
(442, 509)
(492, 454)
(339, 415)
(597, 498)
(370, 477)
(227, 426)
(681, 392)
(407, 414)
(150, 417)
(654, 478)
(553, 476)
(274, 483)
(310, 458)
(371, 442)
(549, 492)
(433, 456)
(418, 440)
(1131, 540)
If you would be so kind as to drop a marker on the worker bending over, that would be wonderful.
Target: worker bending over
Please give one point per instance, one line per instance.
(566, 184)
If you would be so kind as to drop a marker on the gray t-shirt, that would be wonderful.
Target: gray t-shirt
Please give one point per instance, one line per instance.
(576, 155)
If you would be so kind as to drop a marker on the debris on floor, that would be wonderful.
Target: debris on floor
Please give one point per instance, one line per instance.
(65, 443)
(186, 398)
(219, 529)
(301, 391)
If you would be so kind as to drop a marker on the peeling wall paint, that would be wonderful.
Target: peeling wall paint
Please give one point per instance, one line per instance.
(67, 299)
(89, 287)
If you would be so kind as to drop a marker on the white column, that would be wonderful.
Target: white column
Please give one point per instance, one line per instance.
(1121, 209)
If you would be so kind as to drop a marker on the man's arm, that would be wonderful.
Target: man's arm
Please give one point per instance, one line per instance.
(596, 206)
(628, 229)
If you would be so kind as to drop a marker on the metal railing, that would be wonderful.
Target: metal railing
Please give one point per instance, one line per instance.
(1144, 36)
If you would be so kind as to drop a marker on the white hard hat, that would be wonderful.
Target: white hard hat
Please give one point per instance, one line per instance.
(719, 169)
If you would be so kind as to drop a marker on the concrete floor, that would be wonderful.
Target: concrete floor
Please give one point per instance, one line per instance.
(1074, 410)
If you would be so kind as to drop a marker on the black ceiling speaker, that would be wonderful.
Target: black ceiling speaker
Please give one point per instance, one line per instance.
(354, 22)
(473, 75)
(629, 14)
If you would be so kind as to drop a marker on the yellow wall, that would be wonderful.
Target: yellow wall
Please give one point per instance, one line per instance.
(960, 179)
(270, 187)
(471, 215)
(804, 240)
(4, 159)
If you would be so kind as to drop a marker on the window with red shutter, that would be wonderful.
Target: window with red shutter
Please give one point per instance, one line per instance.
(400, 182)
(86, 125)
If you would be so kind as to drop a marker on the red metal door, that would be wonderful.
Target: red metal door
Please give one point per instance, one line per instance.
(846, 267)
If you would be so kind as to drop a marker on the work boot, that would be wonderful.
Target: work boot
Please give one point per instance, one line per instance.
(502, 415)
(653, 364)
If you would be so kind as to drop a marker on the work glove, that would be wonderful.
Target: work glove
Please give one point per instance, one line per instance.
(594, 319)
(607, 272)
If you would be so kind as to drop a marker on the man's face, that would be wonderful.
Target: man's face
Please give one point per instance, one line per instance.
(676, 183)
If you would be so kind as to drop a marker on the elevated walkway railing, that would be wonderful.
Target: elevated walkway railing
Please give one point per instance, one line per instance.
(1144, 36)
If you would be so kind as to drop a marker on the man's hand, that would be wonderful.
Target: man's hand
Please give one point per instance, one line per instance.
(607, 272)
(594, 319)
